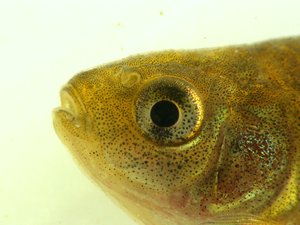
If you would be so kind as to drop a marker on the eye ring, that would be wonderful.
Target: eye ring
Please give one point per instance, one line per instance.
(168, 110)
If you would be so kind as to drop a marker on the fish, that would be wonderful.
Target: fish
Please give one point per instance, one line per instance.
(192, 137)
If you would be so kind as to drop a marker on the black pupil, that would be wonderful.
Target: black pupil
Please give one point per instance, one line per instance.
(164, 113)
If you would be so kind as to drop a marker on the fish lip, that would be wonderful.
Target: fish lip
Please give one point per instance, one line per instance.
(71, 108)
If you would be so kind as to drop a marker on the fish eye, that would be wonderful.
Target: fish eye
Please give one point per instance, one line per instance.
(164, 113)
(168, 110)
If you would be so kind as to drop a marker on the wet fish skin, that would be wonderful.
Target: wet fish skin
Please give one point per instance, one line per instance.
(231, 157)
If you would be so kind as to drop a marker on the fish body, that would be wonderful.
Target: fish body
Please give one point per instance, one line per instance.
(209, 136)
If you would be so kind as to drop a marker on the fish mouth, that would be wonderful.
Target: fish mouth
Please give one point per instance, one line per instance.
(71, 109)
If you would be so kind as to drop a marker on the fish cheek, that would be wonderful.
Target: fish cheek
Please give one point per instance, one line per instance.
(122, 152)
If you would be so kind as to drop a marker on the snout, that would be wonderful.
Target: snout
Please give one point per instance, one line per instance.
(71, 113)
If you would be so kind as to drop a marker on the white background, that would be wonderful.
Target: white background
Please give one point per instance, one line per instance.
(44, 43)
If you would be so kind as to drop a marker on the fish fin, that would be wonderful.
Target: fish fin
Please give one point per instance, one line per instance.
(239, 219)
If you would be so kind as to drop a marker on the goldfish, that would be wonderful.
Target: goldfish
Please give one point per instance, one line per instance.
(192, 137)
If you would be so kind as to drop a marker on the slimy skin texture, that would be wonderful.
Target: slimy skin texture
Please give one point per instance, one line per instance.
(227, 153)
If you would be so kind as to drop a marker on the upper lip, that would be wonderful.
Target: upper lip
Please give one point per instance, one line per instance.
(68, 99)
(71, 105)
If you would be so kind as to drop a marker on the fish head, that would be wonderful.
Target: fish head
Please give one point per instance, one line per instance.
(174, 132)
(142, 124)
